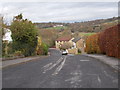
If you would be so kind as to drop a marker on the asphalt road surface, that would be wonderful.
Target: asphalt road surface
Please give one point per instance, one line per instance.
(61, 71)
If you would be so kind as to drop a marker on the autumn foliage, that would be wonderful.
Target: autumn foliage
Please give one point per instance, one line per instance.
(92, 44)
(106, 42)
(109, 41)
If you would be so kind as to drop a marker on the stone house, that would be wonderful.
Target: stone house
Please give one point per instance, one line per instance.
(78, 44)
(62, 40)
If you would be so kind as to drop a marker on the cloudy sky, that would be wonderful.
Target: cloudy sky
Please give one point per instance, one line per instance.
(59, 11)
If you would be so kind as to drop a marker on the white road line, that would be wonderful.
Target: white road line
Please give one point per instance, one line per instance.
(84, 60)
(99, 80)
(59, 67)
(93, 74)
(108, 75)
(49, 68)
(71, 55)
(48, 65)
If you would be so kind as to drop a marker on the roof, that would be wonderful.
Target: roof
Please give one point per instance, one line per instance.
(64, 38)
(76, 39)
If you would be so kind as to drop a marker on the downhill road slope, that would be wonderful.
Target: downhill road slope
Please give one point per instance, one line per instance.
(57, 71)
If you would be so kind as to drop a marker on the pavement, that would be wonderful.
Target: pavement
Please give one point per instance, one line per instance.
(18, 61)
(61, 71)
(111, 61)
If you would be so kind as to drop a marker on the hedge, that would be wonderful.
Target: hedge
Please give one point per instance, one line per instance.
(106, 42)
(109, 41)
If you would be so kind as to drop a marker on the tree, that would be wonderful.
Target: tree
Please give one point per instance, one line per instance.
(66, 45)
(24, 35)
(92, 44)
(18, 17)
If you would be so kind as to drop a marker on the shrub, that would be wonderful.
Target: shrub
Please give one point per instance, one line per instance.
(42, 49)
(92, 44)
(79, 51)
(18, 53)
(109, 41)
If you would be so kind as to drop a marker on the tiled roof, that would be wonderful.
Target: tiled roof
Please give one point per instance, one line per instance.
(64, 38)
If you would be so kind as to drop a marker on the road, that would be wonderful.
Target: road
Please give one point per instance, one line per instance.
(57, 71)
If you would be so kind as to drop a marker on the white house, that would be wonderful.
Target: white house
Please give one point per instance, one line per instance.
(7, 36)
(58, 26)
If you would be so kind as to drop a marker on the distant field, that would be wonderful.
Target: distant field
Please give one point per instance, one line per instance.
(86, 34)
(58, 28)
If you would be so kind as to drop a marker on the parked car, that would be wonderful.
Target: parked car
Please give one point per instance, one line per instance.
(64, 52)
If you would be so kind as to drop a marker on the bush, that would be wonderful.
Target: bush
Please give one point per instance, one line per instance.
(92, 44)
(79, 51)
(109, 41)
(18, 53)
(42, 49)
(7, 50)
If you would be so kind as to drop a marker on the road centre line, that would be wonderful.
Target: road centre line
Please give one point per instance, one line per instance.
(48, 65)
(52, 66)
(60, 67)
(84, 60)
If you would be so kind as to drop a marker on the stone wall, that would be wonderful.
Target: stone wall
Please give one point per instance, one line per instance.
(73, 51)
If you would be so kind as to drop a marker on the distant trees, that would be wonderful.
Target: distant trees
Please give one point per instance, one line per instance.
(48, 36)
(24, 35)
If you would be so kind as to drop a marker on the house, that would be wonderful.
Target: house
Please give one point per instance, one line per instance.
(62, 40)
(58, 26)
(78, 44)
(7, 37)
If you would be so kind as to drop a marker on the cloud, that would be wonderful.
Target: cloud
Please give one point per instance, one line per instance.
(60, 12)
(59, 1)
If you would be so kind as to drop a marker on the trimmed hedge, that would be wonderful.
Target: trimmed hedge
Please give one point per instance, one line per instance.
(106, 42)
(109, 41)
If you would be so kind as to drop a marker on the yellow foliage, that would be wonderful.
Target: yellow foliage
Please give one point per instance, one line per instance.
(39, 43)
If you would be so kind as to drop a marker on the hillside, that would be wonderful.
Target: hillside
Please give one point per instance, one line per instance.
(87, 26)
(93, 26)
(51, 31)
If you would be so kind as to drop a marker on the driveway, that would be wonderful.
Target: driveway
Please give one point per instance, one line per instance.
(57, 71)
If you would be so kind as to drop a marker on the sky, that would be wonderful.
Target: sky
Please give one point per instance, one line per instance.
(59, 11)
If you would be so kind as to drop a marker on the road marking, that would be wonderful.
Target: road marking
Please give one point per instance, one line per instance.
(75, 80)
(71, 55)
(84, 60)
(60, 67)
(52, 66)
(99, 80)
(48, 65)
(93, 74)
(108, 75)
